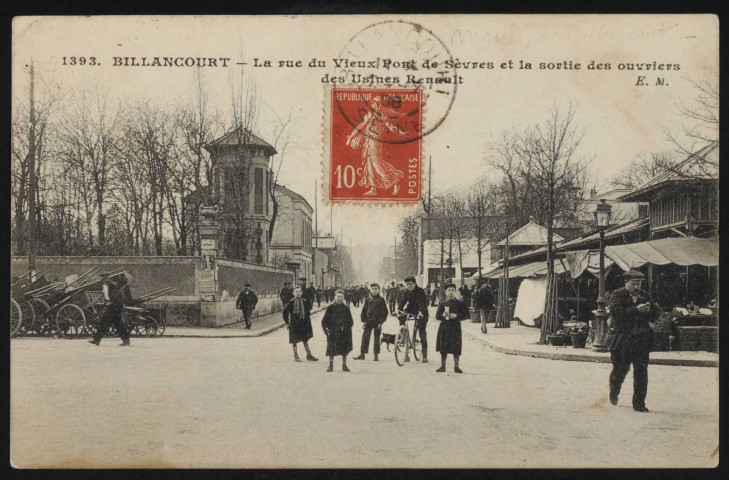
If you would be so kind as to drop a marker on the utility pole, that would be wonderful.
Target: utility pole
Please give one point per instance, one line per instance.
(397, 276)
(31, 180)
(316, 233)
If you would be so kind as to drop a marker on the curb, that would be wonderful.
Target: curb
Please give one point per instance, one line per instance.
(674, 362)
(251, 335)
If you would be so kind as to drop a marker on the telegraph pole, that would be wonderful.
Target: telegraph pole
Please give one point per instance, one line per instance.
(316, 232)
(31, 179)
(397, 276)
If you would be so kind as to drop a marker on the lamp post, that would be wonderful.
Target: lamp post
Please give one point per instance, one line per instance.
(602, 222)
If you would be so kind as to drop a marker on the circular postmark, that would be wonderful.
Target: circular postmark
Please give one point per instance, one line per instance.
(403, 56)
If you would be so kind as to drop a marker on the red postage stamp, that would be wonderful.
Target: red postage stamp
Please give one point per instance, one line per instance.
(375, 144)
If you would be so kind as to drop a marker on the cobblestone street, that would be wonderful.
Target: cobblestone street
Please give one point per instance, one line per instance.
(244, 402)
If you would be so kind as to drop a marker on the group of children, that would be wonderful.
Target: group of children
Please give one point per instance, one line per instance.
(337, 325)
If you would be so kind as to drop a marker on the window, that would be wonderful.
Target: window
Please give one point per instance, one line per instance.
(268, 188)
(258, 190)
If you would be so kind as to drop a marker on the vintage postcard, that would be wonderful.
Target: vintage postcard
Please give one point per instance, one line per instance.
(365, 241)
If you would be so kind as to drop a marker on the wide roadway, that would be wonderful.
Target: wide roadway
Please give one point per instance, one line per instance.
(244, 403)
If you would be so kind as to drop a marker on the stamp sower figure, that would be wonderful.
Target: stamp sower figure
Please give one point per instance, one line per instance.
(112, 313)
(449, 339)
(374, 314)
(631, 312)
(368, 135)
(415, 302)
(246, 302)
(297, 319)
(337, 324)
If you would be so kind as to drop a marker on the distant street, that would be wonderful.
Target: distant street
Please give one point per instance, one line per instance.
(244, 403)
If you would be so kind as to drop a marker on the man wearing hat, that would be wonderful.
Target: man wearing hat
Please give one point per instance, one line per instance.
(112, 314)
(483, 301)
(286, 294)
(246, 302)
(632, 312)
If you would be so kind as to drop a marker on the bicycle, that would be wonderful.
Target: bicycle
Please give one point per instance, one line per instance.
(404, 342)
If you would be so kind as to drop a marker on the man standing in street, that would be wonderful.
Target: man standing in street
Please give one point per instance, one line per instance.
(483, 301)
(391, 297)
(286, 294)
(374, 314)
(307, 293)
(414, 302)
(246, 302)
(631, 312)
(112, 314)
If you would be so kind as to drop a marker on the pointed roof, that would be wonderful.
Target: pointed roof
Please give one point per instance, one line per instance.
(702, 165)
(241, 136)
(530, 234)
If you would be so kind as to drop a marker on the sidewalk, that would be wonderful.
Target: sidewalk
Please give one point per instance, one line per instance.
(521, 340)
(259, 326)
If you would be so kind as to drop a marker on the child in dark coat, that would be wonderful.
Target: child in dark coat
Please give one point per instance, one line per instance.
(337, 324)
(298, 321)
(450, 312)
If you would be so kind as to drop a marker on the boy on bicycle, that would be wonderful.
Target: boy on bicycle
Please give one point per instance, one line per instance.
(414, 302)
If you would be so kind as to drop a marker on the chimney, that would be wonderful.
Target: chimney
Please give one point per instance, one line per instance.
(593, 192)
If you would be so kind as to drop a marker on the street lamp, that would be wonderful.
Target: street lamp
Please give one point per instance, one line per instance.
(603, 212)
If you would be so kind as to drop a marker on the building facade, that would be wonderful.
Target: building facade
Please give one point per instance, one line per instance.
(292, 239)
(241, 179)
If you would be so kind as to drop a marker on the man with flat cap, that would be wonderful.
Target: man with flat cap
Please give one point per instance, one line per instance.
(246, 302)
(632, 312)
(112, 314)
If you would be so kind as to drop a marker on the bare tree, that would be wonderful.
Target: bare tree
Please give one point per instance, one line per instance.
(700, 127)
(283, 144)
(551, 152)
(88, 135)
(480, 206)
(643, 169)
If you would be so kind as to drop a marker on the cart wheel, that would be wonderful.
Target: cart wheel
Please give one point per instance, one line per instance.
(160, 329)
(402, 342)
(137, 330)
(28, 313)
(39, 324)
(16, 316)
(150, 326)
(70, 321)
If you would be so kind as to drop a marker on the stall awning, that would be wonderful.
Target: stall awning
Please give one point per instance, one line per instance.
(590, 262)
(681, 251)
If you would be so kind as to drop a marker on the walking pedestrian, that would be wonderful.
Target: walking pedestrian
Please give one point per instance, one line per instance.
(449, 339)
(632, 312)
(434, 296)
(246, 302)
(414, 302)
(337, 325)
(483, 301)
(319, 293)
(298, 320)
(112, 314)
(374, 314)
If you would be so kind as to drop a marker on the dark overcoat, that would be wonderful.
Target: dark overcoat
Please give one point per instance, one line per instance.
(630, 326)
(337, 324)
(299, 326)
(449, 338)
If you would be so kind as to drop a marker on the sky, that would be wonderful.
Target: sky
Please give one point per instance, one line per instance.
(621, 120)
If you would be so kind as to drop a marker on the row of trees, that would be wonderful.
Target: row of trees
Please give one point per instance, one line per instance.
(123, 177)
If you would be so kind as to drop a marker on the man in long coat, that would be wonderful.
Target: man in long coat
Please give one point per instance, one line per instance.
(246, 302)
(631, 312)
(337, 325)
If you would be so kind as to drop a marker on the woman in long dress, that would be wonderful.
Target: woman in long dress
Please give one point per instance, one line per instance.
(449, 340)
(376, 171)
